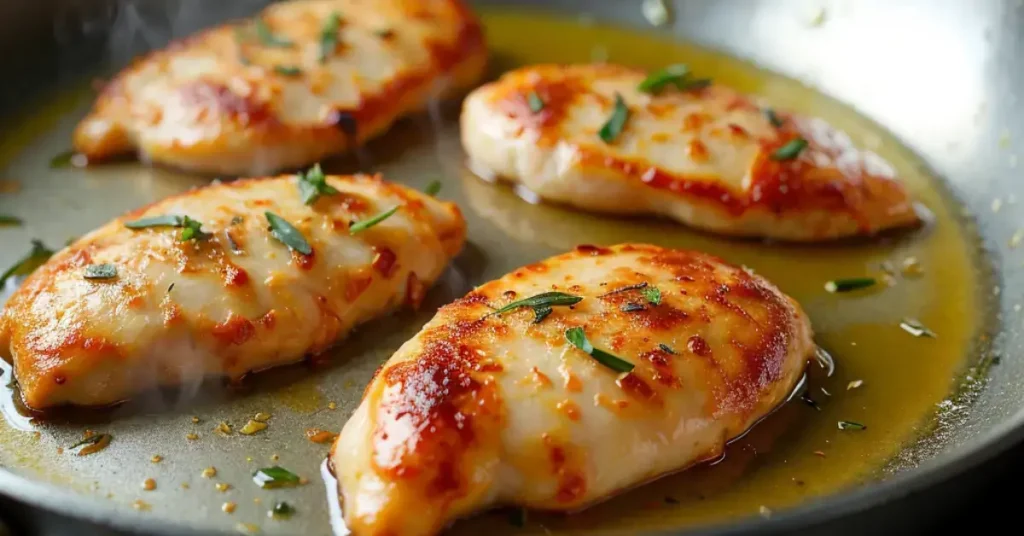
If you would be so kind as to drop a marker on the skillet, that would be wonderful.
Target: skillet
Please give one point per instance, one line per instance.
(892, 61)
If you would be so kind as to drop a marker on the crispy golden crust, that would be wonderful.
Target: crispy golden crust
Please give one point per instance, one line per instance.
(479, 410)
(241, 300)
(224, 101)
(702, 157)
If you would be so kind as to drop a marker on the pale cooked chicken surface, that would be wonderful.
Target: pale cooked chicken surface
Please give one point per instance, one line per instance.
(675, 146)
(299, 82)
(123, 309)
(489, 407)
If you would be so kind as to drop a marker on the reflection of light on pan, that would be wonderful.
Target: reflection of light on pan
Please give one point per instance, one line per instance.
(338, 526)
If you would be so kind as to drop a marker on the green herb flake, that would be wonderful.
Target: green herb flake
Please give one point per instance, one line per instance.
(666, 348)
(361, 226)
(433, 188)
(535, 102)
(287, 70)
(578, 338)
(790, 150)
(773, 117)
(850, 425)
(329, 36)
(287, 234)
(282, 510)
(652, 295)
(27, 264)
(7, 220)
(658, 80)
(313, 184)
(541, 304)
(100, 271)
(916, 328)
(616, 122)
(850, 284)
(275, 477)
(168, 220)
(192, 230)
(63, 160)
(267, 37)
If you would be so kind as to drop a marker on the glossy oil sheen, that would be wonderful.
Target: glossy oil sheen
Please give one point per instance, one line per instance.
(774, 466)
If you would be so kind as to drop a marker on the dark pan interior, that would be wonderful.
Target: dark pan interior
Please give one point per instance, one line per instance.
(942, 76)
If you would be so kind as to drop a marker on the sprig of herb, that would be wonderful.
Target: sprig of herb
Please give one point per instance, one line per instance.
(275, 477)
(656, 81)
(27, 264)
(916, 328)
(535, 102)
(100, 271)
(790, 150)
(361, 226)
(433, 188)
(287, 234)
(847, 285)
(267, 37)
(578, 338)
(541, 304)
(190, 229)
(329, 36)
(652, 295)
(850, 425)
(313, 184)
(287, 70)
(7, 220)
(616, 122)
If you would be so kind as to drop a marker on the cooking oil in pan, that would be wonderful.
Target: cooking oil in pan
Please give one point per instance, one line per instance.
(886, 379)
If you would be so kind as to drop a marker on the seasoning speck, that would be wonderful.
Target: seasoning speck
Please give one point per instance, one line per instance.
(228, 507)
(911, 267)
(332, 405)
(156, 458)
(223, 428)
(184, 485)
(317, 435)
(141, 505)
(222, 487)
(195, 420)
(149, 484)
(209, 472)
(274, 457)
(192, 436)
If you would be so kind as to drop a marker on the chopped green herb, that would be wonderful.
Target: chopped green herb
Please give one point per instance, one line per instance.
(287, 70)
(282, 510)
(287, 234)
(275, 477)
(667, 348)
(329, 36)
(850, 425)
(632, 307)
(853, 283)
(313, 184)
(916, 328)
(92, 444)
(267, 37)
(578, 338)
(433, 188)
(616, 122)
(652, 295)
(63, 160)
(12, 221)
(100, 271)
(168, 220)
(541, 304)
(626, 288)
(773, 117)
(27, 264)
(517, 517)
(656, 81)
(366, 224)
(192, 230)
(535, 102)
(790, 150)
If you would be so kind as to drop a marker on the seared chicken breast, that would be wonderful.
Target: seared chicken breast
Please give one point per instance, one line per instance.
(611, 139)
(221, 281)
(301, 81)
(649, 361)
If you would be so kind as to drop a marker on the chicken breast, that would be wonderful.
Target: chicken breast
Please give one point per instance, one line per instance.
(699, 153)
(493, 405)
(302, 81)
(134, 304)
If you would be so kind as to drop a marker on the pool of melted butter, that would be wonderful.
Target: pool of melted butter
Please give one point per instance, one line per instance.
(797, 454)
